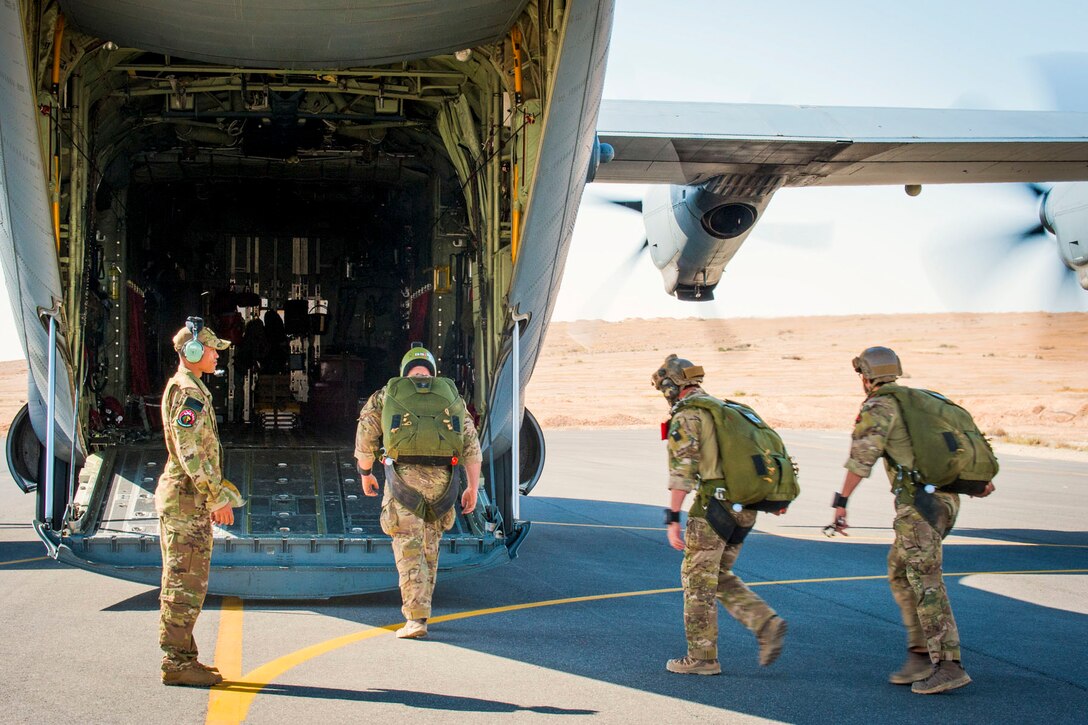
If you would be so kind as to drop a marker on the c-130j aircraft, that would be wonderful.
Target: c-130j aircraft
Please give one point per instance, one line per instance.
(326, 186)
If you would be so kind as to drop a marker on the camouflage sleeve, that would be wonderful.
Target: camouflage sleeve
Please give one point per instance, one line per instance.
(684, 449)
(471, 452)
(871, 434)
(197, 446)
(368, 434)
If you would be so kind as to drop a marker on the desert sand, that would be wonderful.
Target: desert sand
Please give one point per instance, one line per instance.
(12, 391)
(1024, 376)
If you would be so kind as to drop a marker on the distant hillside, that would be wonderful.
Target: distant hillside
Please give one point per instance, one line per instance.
(1022, 375)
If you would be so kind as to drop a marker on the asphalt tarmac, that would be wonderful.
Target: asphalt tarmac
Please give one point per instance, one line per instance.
(579, 627)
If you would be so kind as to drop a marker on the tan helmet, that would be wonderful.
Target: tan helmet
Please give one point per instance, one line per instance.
(878, 365)
(675, 374)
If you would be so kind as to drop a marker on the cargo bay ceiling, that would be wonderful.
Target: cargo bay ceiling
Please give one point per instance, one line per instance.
(272, 34)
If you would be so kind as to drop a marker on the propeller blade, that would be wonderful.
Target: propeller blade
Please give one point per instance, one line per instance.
(1037, 190)
(1067, 293)
(1030, 235)
(622, 271)
(963, 270)
(633, 204)
(602, 298)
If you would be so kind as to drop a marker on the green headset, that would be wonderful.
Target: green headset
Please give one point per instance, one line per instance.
(194, 349)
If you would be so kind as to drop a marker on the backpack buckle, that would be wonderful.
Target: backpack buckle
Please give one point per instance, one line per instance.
(719, 493)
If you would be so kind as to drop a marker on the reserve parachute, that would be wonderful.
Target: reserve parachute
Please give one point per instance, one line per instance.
(758, 471)
(422, 417)
(947, 444)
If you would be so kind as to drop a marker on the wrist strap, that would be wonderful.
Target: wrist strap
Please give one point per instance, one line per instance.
(839, 501)
(366, 471)
(671, 517)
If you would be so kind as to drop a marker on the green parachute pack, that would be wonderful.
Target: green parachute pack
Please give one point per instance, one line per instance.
(948, 447)
(422, 417)
(758, 471)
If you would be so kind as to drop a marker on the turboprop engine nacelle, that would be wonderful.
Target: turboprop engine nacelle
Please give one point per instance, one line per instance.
(1064, 213)
(693, 233)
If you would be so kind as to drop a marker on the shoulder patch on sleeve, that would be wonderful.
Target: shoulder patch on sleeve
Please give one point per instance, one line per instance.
(186, 417)
(193, 403)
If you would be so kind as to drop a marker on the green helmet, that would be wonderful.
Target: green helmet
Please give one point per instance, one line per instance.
(418, 355)
(878, 365)
(674, 375)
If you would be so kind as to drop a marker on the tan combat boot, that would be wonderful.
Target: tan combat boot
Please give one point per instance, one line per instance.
(916, 667)
(948, 675)
(413, 629)
(192, 674)
(770, 639)
(691, 666)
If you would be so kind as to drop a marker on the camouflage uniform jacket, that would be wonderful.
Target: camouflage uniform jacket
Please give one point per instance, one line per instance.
(879, 431)
(191, 482)
(368, 442)
(693, 448)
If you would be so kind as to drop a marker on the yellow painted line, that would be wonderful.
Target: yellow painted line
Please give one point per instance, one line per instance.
(23, 561)
(228, 648)
(228, 652)
(229, 704)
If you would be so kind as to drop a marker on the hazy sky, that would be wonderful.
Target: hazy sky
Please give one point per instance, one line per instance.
(829, 251)
(832, 251)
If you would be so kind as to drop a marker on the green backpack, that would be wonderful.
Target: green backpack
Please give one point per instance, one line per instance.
(422, 416)
(947, 444)
(756, 466)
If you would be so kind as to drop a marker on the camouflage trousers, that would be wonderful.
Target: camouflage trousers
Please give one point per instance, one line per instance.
(186, 560)
(707, 576)
(415, 549)
(915, 575)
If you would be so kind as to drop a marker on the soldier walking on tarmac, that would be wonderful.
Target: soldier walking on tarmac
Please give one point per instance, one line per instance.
(922, 520)
(190, 495)
(707, 570)
(430, 445)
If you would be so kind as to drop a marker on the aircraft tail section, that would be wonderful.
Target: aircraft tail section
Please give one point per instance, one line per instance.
(28, 248)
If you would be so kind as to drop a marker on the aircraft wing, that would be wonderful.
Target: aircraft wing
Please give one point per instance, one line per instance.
(755, 149)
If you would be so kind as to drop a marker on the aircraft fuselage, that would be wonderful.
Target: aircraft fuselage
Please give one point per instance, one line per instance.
(324, 210)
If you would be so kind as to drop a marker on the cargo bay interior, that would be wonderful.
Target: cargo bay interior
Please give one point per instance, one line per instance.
(319, 287)
(320, 269)
(321, 232)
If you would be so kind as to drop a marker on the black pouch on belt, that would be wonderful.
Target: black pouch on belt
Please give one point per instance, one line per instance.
(927, 505)
(723, 523)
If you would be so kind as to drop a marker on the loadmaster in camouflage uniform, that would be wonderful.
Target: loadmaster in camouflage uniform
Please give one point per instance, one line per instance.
(922, 520)
(429, 439)
(191, 493)
(707, 570)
